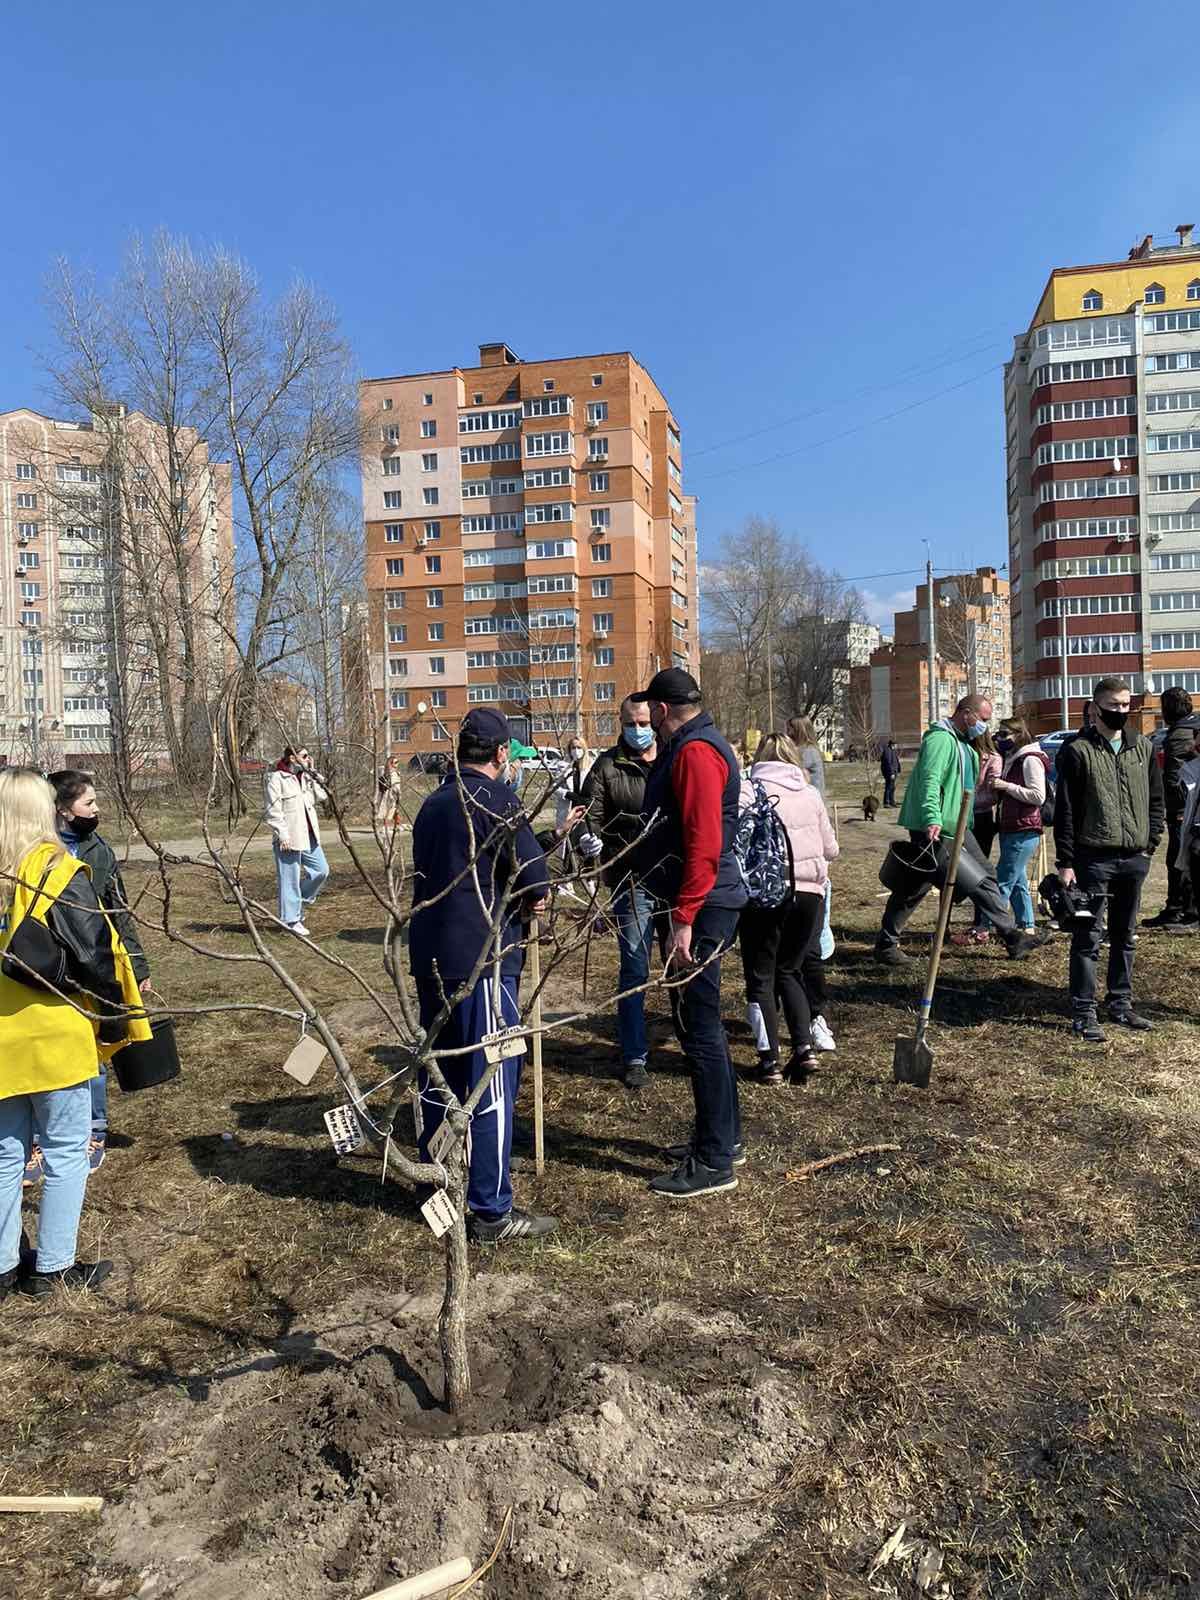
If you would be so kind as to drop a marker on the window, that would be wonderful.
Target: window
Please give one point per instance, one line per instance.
(1168, 600)
(433, 563)
(28, 560)
(1157, 443)
(601, 553)
(391, 466)
(429, 461)
(489, 556)
(473, 454)
(429, 497)
(1177, 560)
(672, 438)
(1155, 294)
(548, 385)
(550, 511)
(1093, 300)
(558, 405)
(558, 583)
(1091, 605)
(477, 399)
(31, 591)
(1084, 371)
(437, 697)
(435, 599)
(486, 488)
(546, 478)
(391, 434)
(601, 517)
(395, 567)
(31, 619)
(602, 588)
(1087, 567)
(597, 379)
(495, 522)
(399, 699)
(1174, 400)
(1186, 639)
(395, 600)
(433, 530)
(1174, 361)
(393, 533)
(602, 622)
(551, 619)
(598, 482)
(26, 470)
(437, 666)
(27, 502)
(487, 421)
(1120, 405)
(397, 633)
(597, 449)
(1193, 289)
(1173, 322)
(550, 549)
(391, 499)
(1086, 489)
(428, 428)
(1086, 450)
(387, 404)
(401, 733)
(547, 444)
(427, 399)
(1093, 644)
(597, 411)
(605, 655)
(27, 530)
(606, 691)
(438, 734)
(482, 693)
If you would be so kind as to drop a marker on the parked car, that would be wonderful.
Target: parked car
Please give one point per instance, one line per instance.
(433, 765)
(1052, 743)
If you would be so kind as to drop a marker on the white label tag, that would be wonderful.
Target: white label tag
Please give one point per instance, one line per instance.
(305, 1060)
(344, 1129)
(502, 1045)
(439, 1212)
(441, 1141)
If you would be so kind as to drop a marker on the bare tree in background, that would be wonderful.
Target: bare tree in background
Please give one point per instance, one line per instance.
(958, 603)
(862, 733)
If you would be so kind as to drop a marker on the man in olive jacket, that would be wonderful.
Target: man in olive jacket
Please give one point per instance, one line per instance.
(1109, 816)
(946, 767)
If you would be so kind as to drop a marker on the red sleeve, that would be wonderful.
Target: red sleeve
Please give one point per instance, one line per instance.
(698, 776)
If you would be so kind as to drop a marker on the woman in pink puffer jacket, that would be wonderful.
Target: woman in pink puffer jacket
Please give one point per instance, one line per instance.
(775, 942)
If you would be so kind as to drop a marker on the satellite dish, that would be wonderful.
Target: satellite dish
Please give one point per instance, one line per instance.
(1117, 465)
(422, 707)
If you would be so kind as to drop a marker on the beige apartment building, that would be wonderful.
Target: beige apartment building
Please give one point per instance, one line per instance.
(528, 545)
(93, 590)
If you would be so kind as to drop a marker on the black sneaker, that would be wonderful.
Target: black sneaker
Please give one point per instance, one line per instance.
(691, 1180)
(890, 955)
(681, 1152)
(86, 1275)
(1021, 943)
(1168, 917)
(1088, 1030)
(1127, 1017)
(635, 1075)
(517, 1225)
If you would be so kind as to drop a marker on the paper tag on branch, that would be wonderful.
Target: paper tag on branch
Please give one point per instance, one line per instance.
(344, 1129)
(442, 1141)
(500, 1046)
(439, 1212)
(305, 1060)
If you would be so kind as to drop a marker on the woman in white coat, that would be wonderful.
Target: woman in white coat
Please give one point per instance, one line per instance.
(293, 791)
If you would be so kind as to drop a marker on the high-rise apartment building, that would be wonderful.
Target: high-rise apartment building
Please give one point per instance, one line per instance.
(1102, 403)
(529, 545)
(110, 536)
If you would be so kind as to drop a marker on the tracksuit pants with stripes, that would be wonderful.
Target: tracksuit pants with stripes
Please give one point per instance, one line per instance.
(489, 1140)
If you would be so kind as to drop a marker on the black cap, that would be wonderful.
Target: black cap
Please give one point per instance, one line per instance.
(673, 686)
(487, 725)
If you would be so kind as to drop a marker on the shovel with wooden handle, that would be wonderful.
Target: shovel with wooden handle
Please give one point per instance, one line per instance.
(539, 1115)
(913, 1060)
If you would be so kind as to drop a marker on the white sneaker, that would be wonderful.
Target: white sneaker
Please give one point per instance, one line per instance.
(822, 1038)
(298, 927)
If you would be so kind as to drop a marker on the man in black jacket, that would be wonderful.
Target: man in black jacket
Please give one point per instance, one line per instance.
(889, 767)
(78, 820)
(613, 793)
(1178, 746)
(1108, 820)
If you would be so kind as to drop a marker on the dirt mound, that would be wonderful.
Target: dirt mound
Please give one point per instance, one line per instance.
(638, 1450)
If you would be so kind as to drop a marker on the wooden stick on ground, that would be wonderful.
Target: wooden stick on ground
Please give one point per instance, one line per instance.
(799, 1175)
(539, 1116)
(51, 1502)
(424, 1584)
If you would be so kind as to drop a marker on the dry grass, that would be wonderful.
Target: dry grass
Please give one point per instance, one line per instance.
(996, 1327)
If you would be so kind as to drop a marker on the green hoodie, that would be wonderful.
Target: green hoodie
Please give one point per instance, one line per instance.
(935, 789)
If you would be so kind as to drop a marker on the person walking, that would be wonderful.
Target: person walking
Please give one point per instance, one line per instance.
(776, 940)
(293, 791)
(477, 870)
(1178, 746)
(613, 793)
(1021, 792)
(690, 810)
(389, 800)
(803, 736)
(1188, 857)
(889, 769)
(50, 1048)
(983, 826)
(1109, 815)
(945, 768)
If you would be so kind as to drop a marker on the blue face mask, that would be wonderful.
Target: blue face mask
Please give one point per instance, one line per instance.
(977, 730)
(638, 738)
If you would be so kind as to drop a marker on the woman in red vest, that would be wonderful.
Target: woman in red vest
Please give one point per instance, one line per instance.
(1021, 788)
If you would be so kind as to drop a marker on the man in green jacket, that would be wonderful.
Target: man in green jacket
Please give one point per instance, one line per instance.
(946, 767)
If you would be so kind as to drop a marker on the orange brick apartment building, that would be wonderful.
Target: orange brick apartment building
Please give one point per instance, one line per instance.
(528, 545)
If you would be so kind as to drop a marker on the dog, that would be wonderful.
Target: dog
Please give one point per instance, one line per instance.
(870, 806)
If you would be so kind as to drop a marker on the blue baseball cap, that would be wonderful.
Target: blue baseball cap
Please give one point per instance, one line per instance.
(490, 726)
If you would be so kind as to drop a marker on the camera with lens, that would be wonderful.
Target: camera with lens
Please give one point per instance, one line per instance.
(1071, 906)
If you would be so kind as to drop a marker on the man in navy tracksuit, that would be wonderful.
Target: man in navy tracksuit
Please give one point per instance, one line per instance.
(691, 799)
(475, 814)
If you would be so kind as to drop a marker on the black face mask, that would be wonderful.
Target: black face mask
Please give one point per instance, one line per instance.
(1115, 720)
(82, 826)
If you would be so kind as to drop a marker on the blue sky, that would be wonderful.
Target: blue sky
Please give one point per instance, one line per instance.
(800, 218)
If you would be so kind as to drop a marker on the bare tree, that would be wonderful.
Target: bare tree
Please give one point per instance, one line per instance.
(862, 733)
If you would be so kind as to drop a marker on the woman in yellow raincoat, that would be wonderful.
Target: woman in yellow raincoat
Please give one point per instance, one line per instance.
(50, 1046)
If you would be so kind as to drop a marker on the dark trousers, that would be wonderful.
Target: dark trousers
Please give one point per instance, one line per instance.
(696, 1009)
(1120, 877)
(983, 830)
(889, 790)
(903, 902)
(774, 945)
(1179, 885)
(1194, 867)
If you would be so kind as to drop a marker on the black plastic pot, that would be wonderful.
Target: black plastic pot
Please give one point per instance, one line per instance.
(148, 1062)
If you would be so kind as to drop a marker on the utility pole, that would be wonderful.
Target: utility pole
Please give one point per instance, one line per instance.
(933, 694)
(770, 678)
(1066, 682)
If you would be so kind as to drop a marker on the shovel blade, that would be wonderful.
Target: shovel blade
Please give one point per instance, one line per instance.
(912, 1062)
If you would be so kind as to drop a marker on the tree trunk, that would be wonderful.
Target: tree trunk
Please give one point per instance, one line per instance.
(453, 1327)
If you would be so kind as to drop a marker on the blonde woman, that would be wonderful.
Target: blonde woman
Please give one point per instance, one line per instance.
(50, 1048)
(803, 735)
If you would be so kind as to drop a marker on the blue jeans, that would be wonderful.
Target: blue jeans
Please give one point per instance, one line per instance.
(60, 1119)
(302, 875)
(99, 1088)
(1016, 850)
(633, 910)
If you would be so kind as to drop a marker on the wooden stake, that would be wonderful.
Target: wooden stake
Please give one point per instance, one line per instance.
(801, 1173)
(539, 1120)
(51, 1502)
(424, 1584)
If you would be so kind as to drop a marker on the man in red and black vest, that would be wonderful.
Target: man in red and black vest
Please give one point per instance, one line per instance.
(691, 811)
